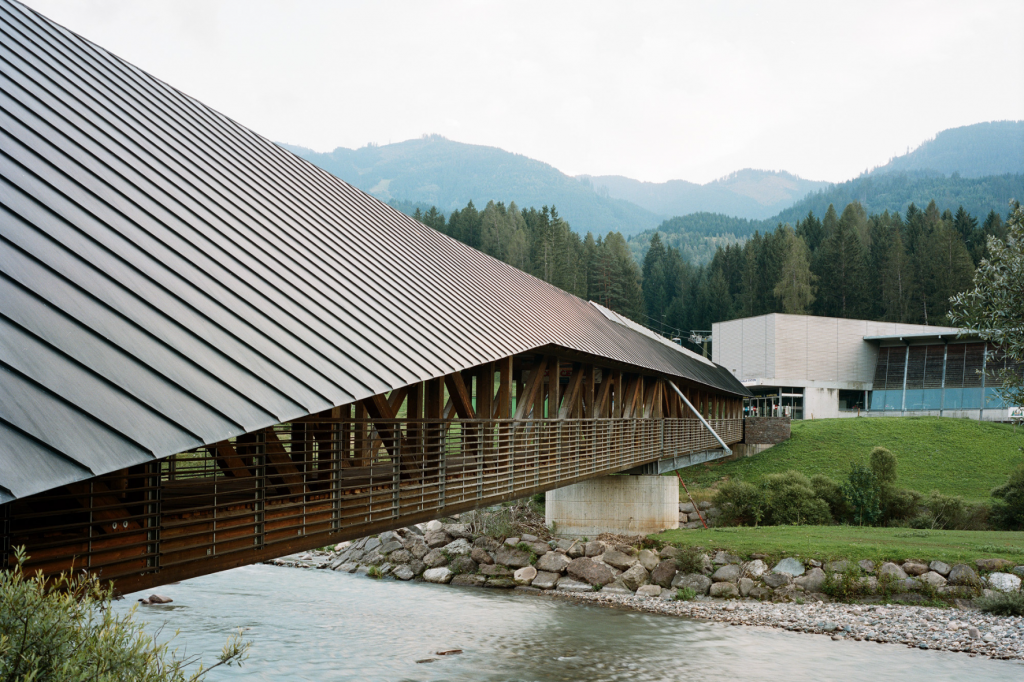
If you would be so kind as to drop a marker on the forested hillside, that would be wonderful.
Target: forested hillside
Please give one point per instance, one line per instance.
(887, 266)
(698, 236)
(992, 148)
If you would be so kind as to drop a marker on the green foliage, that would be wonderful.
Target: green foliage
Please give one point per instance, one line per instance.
(374, 572)
(832, 494)
(741, 503)
(883, 465)
(64, 629)
(791, 500)
(862, 494)
(1008, 507)
(690, 560)
(685, 594)
(846, 585)
(952, 512)
(1004, 604)
(954, 456)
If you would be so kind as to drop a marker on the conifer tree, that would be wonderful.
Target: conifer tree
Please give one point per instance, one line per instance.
(794, 290)
(840, 266)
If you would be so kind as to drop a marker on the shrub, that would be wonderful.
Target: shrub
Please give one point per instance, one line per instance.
(690, 560)
(844, 586)
(1005, 604)
(741, 503)
(862, 494)
(1008, 507)
(792, 500)
(832, 493)
(952, 512)
(64, 629)
(883, 466)
(685, 594)
(898, 504)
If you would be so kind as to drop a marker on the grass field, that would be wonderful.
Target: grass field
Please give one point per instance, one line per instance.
(855, 543)
(954, 456)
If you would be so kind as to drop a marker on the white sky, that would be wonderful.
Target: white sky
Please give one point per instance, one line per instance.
(650, 90)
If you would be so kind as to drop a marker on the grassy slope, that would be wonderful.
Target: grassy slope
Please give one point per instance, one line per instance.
(954, 456)
(855, 543)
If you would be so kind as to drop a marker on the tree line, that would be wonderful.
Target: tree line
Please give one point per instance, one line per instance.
(888, 266)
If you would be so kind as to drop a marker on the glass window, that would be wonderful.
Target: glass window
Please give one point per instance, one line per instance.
(954, 399)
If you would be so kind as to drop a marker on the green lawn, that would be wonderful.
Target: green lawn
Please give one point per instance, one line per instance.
(855, 543)
(954, 456)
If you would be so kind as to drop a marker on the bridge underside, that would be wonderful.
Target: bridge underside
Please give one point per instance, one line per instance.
(415, 454)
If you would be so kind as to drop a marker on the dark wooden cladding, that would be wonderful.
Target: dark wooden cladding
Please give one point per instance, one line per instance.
(417, 453)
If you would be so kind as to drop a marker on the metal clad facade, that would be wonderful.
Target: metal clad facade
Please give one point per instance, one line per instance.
(169, 279)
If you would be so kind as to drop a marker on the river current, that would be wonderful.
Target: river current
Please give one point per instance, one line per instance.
(327, 626)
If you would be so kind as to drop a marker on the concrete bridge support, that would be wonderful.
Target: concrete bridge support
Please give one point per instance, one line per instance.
(627, 505)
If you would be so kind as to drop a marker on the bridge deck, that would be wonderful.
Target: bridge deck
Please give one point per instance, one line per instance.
(319, 481)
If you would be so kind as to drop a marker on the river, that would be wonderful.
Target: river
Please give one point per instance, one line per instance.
(326, 626)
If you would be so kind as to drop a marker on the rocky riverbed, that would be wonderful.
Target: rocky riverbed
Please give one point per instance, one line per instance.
(790, 593)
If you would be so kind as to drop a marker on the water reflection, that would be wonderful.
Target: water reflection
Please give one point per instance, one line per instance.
(325, 626)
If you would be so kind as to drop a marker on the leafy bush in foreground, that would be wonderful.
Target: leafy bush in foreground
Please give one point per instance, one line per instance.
(1008, 508)
(64, 629)
(1006, 604)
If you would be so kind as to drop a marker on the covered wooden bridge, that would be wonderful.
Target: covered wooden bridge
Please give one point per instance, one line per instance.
(213, 353)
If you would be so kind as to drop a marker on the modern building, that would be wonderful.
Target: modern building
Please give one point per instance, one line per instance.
(810, 367)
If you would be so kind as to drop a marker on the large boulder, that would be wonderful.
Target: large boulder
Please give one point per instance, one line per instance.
(729, 573)
(940, 567)
(553, 562)
(594, 548)
(669, 552)
(724, 590)
(589, 571)
(434, 525)
(649, 591)
(500, 583)
(648, 559)
(777, 580)
(617, 587)
(576, 550)
(755, 569)
(745, 585)
(458, 547)
(487, 543)
(866, 565)
(545, 580)
(403, 572)
(962, 574)
(891, 571)
(812, 580)
(570, 585)
(481, 556)
(790, 566)
(418, 548)
(915, 567)
(664, 573)
(435, 558)
(509, 556)
(994, 564)
(436, 538)
(417, 567)
(371, 544)
(463, 564)
(1004, 582)
(459, 530)
(524, 575)
(723, 557)
(495, 570)
(698, 582)
(619, 560)
(468, 580)
(933, 578)
(841, 566)
(390, 546)
(400, 556)
(634, 576)
(686, 507)
(438, 575)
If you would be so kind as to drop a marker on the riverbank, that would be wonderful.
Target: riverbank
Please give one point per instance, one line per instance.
(920, 603)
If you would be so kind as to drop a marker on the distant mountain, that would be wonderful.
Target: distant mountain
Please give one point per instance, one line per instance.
(434, 171)
(974, 151)
(751, 194)
(698, 235)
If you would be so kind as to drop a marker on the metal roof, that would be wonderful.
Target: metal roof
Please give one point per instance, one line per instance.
(169, 279)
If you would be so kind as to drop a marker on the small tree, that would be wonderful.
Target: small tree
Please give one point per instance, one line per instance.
(862, 495)
(1008, 508)
(994, 308)
(64, 629)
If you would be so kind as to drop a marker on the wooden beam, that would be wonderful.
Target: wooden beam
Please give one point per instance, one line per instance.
(112, 509)
(282, 464)
(602, 404)
(535, 381)
(588, 391)
(485, 390)
(572, 394)
(460, 396)
(229, 460)
(503, 404)
(554, 386)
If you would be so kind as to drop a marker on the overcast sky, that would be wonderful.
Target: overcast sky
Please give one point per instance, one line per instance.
(649, 90)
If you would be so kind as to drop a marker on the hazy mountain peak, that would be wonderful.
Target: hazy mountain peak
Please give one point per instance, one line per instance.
(974, 151)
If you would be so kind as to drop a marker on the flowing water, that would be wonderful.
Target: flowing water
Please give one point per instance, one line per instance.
(325, 626)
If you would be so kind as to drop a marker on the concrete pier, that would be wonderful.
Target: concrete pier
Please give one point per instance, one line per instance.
(627, 505)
